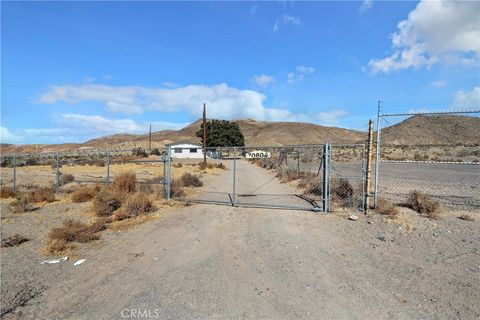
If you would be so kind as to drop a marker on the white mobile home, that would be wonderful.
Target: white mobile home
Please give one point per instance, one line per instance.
(185, 150)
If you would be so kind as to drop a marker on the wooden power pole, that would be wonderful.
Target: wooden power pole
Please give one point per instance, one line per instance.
(368, 175)
(204, 133)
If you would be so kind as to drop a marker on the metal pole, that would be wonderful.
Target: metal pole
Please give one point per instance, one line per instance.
(363, 179)
(169, 175)
(108, 167)
(377, 155)
(204, 133)
(368, 175)
(326, 177)
(298, 161)
(57, 172)
(234, 198)
(164, 177)
(14, 173)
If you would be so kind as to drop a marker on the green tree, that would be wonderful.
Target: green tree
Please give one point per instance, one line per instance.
(222, 133)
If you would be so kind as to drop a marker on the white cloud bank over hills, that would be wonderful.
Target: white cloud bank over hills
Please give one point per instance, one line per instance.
(223, 102)
(434, 32)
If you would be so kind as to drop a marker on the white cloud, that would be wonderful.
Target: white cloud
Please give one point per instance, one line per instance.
(6, 136)
(223, 102)
(365, 6)
(469, 100)
(79, 128)
(299, 74)
(438, 84)
(434, 32)
(286, 20)
(263, 80)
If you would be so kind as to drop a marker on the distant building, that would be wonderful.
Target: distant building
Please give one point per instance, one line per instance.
(185, 150)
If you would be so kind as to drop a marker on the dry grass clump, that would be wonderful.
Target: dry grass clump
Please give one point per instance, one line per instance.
(58, 247)
(6, 192)
(42, 194)
(385, 207)
(85, 193)
(22, 204)
(13, 241)
(423, 204)
(344, 193)
(311, 184)
(135, 205)
(220, 166)
(67, 178)
(105, 203)
(202, 165)
(178, 165)
(75, 231)
(124, 183)
(466, 217)
(176, 189)
(189, 180)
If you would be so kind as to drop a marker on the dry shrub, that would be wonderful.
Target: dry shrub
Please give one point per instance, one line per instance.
(67, 178)
(311, 184)
(423, 204)
(105, 203)
(220, 166)
(75, 231)
(189, 180)
(6, 192)
(58, 247)
(210, 165)
(202, 165)
(135, 205)
(13, 241)
(386, 207)
(178, 165)
(42, 194)
(85, 193)
(466, 217)
(22, 204)
(124, 183)
(176, 189)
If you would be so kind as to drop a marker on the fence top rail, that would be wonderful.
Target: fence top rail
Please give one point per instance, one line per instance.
(427, 113)
(74, 153)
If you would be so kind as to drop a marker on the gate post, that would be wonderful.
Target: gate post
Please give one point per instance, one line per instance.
(169, 171)
(326, 177)
(234, 197)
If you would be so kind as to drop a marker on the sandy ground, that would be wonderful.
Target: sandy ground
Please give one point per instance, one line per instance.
(222, 262)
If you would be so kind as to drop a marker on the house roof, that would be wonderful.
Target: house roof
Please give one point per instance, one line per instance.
(182, 142)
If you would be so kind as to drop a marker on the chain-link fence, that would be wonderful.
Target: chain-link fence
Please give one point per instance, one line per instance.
(64, 169)
(434, 153)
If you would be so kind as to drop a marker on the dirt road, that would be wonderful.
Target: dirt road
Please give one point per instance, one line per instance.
(219, 262)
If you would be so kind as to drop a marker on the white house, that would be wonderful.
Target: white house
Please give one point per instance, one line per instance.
(185, 150)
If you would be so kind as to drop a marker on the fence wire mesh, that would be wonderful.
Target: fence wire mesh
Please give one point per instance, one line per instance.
(436, 154)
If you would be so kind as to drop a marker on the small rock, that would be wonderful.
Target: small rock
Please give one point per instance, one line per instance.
(370, 222)
(353, 217)
(381, 238)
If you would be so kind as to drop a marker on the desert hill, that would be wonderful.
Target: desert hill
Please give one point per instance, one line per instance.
(439, 129)
(434, 129)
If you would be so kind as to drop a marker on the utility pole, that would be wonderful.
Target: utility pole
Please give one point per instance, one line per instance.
(150, 139)
(368, 175)
(204, 133)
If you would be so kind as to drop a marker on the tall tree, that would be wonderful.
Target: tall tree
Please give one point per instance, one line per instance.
(222, 133)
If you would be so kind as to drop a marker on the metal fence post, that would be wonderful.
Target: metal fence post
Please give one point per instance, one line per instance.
(234, 197)
(169, 174)
(164, 176)
(14, 173)
(108, 167)
(377, 156)
(57, 172)
(363, 179)
(326, 177)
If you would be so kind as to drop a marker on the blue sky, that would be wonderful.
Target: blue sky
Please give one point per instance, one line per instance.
(74, 71)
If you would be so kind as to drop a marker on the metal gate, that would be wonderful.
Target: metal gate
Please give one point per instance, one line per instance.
(288, 177)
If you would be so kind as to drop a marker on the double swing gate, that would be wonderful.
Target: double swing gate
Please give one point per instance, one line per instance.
(306, 177)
